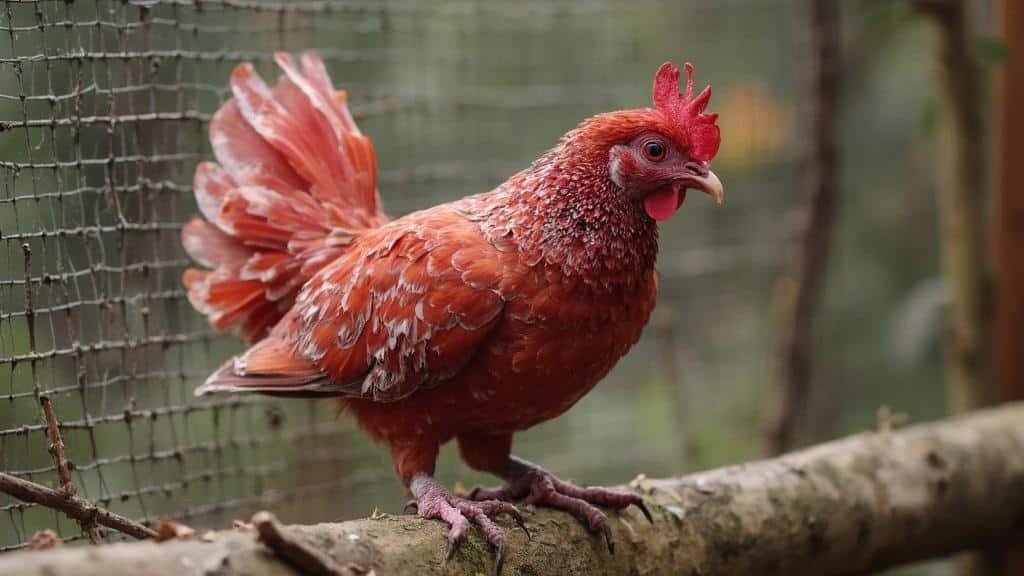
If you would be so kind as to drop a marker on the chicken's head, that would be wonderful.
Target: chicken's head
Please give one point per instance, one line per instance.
(658, 153)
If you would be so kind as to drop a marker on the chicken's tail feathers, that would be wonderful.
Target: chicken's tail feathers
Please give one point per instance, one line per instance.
(295, 181)
(270, 367)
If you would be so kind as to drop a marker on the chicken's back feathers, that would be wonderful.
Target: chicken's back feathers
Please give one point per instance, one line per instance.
(409, 305)
(444, 308)
(294, 183)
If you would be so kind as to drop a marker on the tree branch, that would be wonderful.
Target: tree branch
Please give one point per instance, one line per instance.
(962, 207)
(961, 196)
(60, 458)
(74, 506)
(820, 185)
(859, 504)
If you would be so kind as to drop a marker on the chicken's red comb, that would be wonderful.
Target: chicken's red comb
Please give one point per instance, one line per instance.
(687, 110)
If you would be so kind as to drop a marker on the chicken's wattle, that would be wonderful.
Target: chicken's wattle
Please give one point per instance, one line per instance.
(662, 204)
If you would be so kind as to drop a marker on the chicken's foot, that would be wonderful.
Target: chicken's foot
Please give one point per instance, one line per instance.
(432, 500)
(540, 487)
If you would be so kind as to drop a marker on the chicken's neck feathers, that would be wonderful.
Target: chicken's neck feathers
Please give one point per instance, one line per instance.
(565, 210)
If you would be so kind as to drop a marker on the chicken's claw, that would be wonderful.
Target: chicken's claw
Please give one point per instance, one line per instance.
(449, 550)
(493, 507)
(499, 560)
(432, 500)
(522, 525)
(538, 486)
(643, 508)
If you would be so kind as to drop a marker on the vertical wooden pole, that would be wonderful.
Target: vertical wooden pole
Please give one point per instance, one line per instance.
(1008, 246)
(1008, 323)
(961, 196)
(820, 183)
(961, 209)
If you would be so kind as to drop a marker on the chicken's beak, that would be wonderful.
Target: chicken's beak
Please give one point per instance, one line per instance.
(700, 177)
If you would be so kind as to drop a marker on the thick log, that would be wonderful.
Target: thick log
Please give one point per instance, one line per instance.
(855, 505)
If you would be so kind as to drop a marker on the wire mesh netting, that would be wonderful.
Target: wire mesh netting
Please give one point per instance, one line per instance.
(104, 107)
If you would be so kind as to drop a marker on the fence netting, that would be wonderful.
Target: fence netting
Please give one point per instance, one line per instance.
(104, 108)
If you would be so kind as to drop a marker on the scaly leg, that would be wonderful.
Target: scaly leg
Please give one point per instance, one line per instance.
(538, 486)
(432, 500)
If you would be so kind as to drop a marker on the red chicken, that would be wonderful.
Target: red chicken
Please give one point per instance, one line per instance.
(470, 320)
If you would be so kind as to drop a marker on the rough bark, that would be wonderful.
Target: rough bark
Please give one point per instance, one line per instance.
(859, 504)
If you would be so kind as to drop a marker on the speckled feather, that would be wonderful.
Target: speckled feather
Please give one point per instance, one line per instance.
(471, 319)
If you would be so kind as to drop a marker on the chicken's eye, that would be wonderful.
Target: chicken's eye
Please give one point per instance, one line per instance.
(654, 150)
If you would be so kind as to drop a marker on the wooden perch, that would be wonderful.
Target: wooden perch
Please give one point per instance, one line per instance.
(851, 506)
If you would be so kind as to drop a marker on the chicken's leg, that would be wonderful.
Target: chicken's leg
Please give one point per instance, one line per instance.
(433, 500)
(538, 486)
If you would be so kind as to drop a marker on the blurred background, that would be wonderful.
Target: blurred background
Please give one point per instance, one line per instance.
(832, 155)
